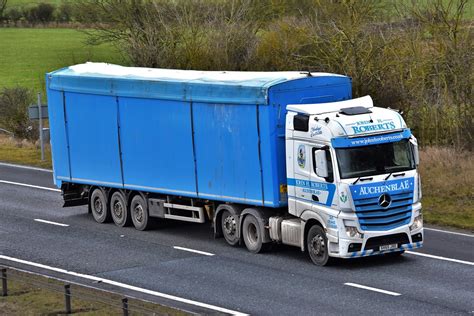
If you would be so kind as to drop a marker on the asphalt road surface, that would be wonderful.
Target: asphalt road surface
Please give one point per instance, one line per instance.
(220, 278)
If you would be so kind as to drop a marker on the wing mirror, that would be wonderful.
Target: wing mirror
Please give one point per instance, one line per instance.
(321, 163)
(416, 154)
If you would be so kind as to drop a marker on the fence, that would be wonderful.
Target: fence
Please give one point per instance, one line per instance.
(123, 304)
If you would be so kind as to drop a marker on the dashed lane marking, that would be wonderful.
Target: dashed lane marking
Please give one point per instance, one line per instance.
(193, 250)
(51, 223)
(369, 288)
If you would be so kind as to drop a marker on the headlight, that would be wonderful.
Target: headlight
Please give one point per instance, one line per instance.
(352, 232)
(417, 223)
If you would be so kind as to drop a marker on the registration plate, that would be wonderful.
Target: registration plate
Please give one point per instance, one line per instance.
(388, 247)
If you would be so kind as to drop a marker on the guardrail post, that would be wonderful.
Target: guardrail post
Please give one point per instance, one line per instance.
(125, 306)
(4, 282)
(67, 298)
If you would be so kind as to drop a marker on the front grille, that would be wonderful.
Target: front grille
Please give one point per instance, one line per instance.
(374, 217)
(375, 242)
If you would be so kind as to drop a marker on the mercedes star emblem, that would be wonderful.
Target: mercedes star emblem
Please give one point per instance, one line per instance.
(385, 200)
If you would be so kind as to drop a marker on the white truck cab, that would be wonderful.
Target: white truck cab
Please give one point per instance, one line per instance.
(352, 169)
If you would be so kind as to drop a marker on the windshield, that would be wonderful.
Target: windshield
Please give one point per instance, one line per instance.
(375, 159)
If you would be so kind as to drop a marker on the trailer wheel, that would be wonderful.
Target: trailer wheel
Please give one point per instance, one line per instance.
(251, 234)
(139, 213)
(99, 208)
(317, 245)
(119, 209)
(229, 225)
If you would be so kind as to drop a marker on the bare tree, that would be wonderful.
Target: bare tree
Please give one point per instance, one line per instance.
(3, 6)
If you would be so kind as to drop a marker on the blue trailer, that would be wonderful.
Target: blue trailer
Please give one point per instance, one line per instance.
(136, 144)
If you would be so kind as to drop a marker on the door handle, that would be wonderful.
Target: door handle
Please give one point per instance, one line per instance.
(315, 198)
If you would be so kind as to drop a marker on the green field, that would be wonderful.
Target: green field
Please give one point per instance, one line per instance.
(27, 54)
(21, 3)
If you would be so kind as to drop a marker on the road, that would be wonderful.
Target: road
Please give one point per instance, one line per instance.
(281, 282)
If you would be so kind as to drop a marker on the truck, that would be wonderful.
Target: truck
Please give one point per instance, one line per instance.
(266, 157)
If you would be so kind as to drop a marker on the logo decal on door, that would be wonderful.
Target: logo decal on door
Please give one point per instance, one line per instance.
(301, 156)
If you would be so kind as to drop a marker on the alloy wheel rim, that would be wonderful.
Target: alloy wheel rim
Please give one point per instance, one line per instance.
(229, 225)
(318, 246)
(98, 206)
(138, 211)
(118, 209)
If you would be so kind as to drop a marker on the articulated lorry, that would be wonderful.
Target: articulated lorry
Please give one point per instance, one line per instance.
(267, 157)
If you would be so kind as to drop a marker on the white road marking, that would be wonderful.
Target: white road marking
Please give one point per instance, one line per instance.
(448, 232)
(24, 167)
(372, 289)
(125, 286)
(49, 222)
(439, 257)
(195, 251)
(29, 186)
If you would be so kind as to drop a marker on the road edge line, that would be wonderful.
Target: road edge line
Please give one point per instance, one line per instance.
(29, 186)
(448, 232)
(6, 164)
(439, 257)
(125, 286)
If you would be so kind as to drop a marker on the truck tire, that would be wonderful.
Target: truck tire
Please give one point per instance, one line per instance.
(119, 209)
(317, 245)
(139, 213)
(251, 234)
(99, 207)
(229, 225)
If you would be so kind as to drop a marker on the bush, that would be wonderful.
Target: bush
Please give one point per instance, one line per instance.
(14, 104)
(412, 55)
(65, 12)
(14, 15)
(41, 13)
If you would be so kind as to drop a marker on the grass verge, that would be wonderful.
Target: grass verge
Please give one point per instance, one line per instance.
(30, 294)
(23, 152)
(447, 178)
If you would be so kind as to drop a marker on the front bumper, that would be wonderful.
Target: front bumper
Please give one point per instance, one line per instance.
(366, 253)
(370, 244)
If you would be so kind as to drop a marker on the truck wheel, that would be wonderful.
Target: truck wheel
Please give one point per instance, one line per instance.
(119, 209)
(252, 234)
(317, 245)
(99, 208)
(229, 225)
(139, 213)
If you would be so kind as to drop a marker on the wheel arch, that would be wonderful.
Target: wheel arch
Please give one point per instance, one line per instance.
(89, 195)
(234, 209)
(310, 219)
(262, 216)
(129, 197)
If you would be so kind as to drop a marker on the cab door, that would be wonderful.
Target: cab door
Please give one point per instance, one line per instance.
(302, 170)
(322, 188)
